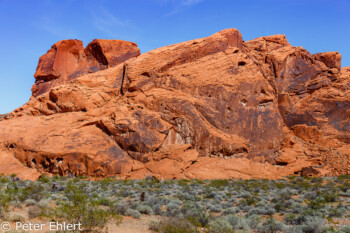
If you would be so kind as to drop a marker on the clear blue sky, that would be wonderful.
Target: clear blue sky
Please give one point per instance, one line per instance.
(29, 28)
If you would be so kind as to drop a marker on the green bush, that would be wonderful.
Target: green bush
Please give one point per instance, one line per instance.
(34, 212)
(218, 183)
(133, 213)
(220, 225)
(313, 224)
(145, 209)
(120, 208)
(173, 225)
(270, 226)
(344, 229)
(253, 221)
(198, 217)
(79, 208)
(17, 218)
(30, 202)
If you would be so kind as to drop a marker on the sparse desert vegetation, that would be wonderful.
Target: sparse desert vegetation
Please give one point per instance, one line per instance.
(294, 204)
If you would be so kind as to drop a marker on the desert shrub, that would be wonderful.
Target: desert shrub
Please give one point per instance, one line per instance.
(188, 197)
(229, 211)
(43, 203)
(253, 221)
(226, 205)
(173, 225)
(270, 226)
(35, 191)
(296, 208)
(344, 229)
(245, 208)
(133, 213)
(30, 202)
(237, 222)
(97, 218)
(145, 209)
(210, 194)
(218, 183)
(104, 201)
(344, 177)
(344, 194)
(244, 194)
(79, 208)
(17, 218)
(280, 206)
(329, 197)
(294, 229)
(316, 203)
(337, 212)
(157, 209)
(34, 212)
(220, 225)
(310, 212)
(215, 208)
(218, 198)
(120, 208)
(257, 211)
(198, 217)
(290, 219)
(248, 201)
(173, 208)
(44, 179)
(152, 201)
(16, 203)
(313, 224)
(267, 211)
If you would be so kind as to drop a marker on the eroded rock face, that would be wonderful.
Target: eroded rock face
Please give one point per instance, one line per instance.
(209, 108)
(67, 60)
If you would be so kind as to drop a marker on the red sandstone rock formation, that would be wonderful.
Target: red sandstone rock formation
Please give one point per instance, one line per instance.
(216, 107)
(67, 59)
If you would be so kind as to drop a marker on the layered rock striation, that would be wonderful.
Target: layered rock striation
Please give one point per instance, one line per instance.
(216, 107)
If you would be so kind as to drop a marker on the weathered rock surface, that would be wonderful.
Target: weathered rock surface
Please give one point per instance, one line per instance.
(209, 108)
(67, 59)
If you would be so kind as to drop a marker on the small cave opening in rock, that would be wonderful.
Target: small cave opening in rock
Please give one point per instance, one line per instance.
(147, 74)
(236, 51)
(12, 146)
(244, 102)
(242, 63)
(34, 161)
(44, 165)
(281, 163)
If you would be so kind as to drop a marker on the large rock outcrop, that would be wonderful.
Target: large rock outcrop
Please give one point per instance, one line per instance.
(67, 59)
(209, 108)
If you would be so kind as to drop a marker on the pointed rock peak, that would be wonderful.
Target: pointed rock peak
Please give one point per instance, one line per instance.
(278, 39)
(232, 35)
